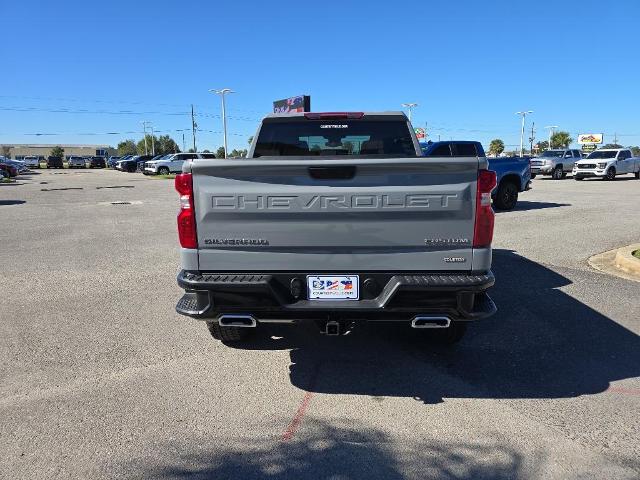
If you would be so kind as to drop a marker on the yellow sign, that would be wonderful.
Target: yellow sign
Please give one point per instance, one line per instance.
(587, 138)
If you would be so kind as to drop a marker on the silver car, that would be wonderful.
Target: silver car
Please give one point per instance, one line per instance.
(77, 162)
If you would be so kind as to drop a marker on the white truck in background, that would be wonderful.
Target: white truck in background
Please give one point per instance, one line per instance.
(606, 163)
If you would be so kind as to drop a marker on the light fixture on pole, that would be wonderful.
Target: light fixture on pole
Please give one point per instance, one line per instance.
(222, 93)
(523, 114)
(551, 132)
(410, 106)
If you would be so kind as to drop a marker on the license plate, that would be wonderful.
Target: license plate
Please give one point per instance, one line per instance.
(333, 287)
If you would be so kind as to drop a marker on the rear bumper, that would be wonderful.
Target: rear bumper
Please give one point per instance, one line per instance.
(282, 297)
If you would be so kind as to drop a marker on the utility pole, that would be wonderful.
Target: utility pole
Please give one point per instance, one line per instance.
(615, 138)
(153, 142)
(532, 138)
(523, 114)
(144, 126)
(184, 146)
(193, 128)
(222, 94)
(410, 106)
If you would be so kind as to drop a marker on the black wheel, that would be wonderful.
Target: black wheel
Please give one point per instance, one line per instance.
(533, 175)
(228, 334)
(637, 175)
(163, 171)
(564, 175)
(557, 174)
(611, 174)
(507, 196)
(448, 336)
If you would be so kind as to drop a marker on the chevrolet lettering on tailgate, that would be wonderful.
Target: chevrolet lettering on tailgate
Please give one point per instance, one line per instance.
(331, 202)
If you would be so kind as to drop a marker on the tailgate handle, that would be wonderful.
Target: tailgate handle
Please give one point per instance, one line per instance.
(342, 172)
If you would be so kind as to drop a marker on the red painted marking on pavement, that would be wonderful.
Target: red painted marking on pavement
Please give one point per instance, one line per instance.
(628, 391)
(297, 418)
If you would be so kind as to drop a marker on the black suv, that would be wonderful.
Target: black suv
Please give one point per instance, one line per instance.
(54, 162)
(97, 162)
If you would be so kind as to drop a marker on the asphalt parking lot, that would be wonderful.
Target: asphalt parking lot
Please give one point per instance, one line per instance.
(100, 378)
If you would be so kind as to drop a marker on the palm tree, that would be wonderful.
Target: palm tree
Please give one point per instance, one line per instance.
(561, 140)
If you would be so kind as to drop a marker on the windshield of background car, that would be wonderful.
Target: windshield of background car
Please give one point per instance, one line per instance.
(553, 153)
(602, 154)
(335, 137)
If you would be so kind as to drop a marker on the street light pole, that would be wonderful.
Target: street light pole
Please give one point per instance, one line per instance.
(222, 93)
(523, 114)
(410, 106)
(551, 131)
(153, 142)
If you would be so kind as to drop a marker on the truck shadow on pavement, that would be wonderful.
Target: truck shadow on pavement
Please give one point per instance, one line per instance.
(347, 452)
(523, 205)
(542, 343)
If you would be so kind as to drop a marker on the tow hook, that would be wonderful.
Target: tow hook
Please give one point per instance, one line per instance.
(332, 328)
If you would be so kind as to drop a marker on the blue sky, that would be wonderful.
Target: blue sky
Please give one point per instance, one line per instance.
(77, 67)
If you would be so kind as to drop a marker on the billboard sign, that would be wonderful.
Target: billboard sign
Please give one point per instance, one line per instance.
(301, 103)
(420, 133)
(589, 138)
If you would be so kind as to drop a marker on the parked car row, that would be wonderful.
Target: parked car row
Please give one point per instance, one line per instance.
(605, 163)
(155, 165)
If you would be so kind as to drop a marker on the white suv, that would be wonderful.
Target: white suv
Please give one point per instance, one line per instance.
(31, 161)
(606, 163)
(172, 163)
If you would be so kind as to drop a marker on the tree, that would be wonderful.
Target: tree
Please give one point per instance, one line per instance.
(613, 145)
(496, 147)
(561, 140)
(127, 147)
(238, 153)
(635, 151)
(250, 140)
(191, 150)
(543, 146)
(220, 152)
(206, 151)
(165, 144)
(57, 152)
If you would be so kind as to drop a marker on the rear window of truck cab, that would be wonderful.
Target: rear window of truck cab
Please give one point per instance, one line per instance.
(300, 136)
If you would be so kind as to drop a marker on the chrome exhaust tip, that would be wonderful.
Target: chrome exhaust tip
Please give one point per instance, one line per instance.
(229, 320)
(423, 321)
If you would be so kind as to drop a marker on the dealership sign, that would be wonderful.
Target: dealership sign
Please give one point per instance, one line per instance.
(301, 103)
(420, 133)
(589, 138)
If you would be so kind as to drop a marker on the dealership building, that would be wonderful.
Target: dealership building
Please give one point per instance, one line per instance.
(20, 150)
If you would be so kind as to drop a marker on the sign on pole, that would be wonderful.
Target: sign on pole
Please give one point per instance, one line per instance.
(301, 103)
(590, 138)
(420, 133)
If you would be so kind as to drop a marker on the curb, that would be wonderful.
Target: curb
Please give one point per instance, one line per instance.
(625, 260)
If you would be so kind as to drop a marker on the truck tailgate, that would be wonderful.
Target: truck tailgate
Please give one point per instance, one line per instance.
(350, 215)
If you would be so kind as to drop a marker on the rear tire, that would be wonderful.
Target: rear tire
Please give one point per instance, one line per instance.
(611, 174)
(228, 334)
(557, 173)
(533, 175)
(449, 336)
(637, 175)
(507, 196)
(163, 171)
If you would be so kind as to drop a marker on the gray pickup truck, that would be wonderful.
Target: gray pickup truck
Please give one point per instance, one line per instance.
(336, 218)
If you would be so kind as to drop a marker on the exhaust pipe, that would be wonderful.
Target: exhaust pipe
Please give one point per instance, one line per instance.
(229, 320)
(430, 322)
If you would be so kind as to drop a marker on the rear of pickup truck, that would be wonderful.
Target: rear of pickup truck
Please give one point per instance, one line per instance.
(336, 218)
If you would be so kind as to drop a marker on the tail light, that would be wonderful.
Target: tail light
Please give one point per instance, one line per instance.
(186, 217)
(483, 230)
